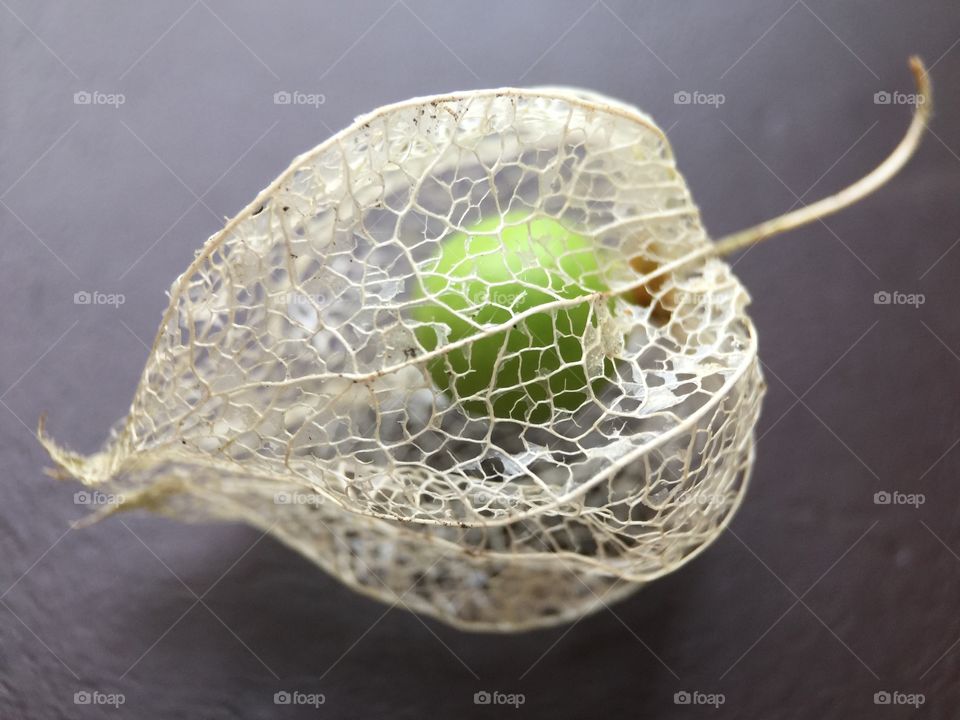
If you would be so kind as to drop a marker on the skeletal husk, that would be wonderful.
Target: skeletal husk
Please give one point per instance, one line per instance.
(286, 388)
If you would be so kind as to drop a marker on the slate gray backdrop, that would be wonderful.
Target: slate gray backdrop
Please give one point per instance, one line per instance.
(816, 599)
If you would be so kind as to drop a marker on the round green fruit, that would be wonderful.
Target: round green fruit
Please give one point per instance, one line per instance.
(482, 278)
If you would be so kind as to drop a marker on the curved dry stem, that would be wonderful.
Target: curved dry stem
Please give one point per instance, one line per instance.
(853, 193)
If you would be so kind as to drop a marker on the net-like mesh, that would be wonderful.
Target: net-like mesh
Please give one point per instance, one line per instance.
(320, 369)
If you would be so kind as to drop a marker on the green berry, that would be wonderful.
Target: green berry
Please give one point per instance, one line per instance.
(489, 278)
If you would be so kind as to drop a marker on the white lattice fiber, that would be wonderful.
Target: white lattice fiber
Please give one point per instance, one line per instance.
(288, 385)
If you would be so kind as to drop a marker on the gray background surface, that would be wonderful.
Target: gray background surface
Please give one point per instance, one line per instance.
(814, 600)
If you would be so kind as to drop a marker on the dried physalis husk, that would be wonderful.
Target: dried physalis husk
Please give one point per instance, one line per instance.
(541, 240)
